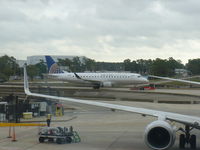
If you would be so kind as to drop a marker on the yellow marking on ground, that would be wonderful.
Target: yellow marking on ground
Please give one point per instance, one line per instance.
(20, 124)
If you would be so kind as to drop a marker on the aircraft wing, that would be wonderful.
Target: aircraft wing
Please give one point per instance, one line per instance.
(89, 81)
(184, 119)
(172, 79)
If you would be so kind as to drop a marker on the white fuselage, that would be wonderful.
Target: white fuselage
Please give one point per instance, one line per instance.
(111, 78)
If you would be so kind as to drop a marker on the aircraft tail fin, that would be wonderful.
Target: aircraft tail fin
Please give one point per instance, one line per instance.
(53, 68)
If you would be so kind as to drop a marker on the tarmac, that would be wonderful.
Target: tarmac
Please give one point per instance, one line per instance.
(190, 95)
(99, 128)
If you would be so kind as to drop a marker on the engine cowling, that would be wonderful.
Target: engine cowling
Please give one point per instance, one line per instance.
(106, 84)
(160, 135)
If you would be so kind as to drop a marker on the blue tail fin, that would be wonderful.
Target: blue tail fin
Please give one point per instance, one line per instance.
(52, 66)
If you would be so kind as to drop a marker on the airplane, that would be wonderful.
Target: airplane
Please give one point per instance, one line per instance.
(158, 135)
(97, 80)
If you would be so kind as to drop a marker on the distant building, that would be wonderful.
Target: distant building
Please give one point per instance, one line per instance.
(182, 72)
(65, 68)
(32, 60)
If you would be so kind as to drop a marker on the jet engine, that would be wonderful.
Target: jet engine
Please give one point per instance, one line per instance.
(106, 84)
(160, 135)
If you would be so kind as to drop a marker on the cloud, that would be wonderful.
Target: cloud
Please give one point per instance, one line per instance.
(108, 30)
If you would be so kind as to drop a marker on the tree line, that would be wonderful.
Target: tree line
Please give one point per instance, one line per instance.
(160, 67)
(8, 67)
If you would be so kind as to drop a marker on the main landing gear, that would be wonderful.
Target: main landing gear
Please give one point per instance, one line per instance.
(96, 86)
(187, 138)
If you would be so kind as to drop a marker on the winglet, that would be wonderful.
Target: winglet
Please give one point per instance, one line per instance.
(26, 85)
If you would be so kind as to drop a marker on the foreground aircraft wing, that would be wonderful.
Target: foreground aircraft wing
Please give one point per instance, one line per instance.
(172, 79)
(161, 115)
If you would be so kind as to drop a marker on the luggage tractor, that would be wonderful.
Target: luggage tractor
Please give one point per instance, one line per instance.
(60, 135)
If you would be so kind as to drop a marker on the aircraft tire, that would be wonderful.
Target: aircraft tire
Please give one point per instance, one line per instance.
(68, 139)
(182, 141)
(193, 141)
(41, 139)
(96, 87)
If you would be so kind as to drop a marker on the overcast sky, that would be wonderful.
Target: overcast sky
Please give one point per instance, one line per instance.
(104, 30)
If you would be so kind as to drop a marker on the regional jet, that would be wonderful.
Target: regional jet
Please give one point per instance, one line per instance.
(158, 135)
(97, 80)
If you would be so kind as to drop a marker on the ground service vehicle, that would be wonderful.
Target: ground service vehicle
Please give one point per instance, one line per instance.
(59, 135)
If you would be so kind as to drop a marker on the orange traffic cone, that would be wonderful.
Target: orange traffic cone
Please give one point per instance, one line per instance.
(14, 136)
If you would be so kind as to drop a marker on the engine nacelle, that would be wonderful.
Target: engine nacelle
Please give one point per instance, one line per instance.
(160, 135)
(106, 84)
